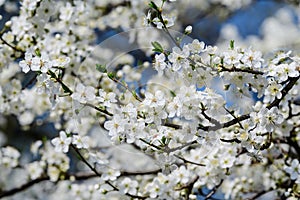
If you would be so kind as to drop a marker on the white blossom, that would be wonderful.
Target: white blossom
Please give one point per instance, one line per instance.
(62, 142)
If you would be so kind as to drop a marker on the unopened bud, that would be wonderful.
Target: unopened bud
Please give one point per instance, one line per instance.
(8, 24)
(188, 29)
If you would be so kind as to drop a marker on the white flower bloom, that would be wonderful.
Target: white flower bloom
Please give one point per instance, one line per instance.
(106, 98)
(273, 90)
(9, 157)
(128, 186)
(294, 169)
(270, 118)
(61, 61)
(42, 63)
(35, 147)
(154, 100)
(110, 174)
(252, 59)
(115, 126)
(35, 169)
(182, 174)
(129, 111)
(53, 172)
(169, 21)
(26, 118)
(62, 142)
(174, 107)
(80, 142)
(25, 64)
(179, 57)
(232, 58)
(84, 94)
(160, 64)
(66, 12)
(155, 115)
(226, 160)
(281, 56)
(196, 46)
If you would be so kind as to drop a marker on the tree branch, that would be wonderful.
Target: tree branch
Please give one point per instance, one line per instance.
(214, 190)
(284, 92)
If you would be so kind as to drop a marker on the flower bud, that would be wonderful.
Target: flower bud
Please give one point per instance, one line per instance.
(188, 29)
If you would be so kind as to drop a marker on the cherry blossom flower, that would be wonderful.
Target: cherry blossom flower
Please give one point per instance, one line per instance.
(9, 157)
(26, 64)
(154, 100)
(196, 46)
(115, 126)
(106, 98)
(80, 142)
(35, 169)
(270, 118)
(160, 64)
(252, 59)
(294, 169)
(169, 21)
(42, 63)
(128, 186)
(110, 174)
(62, 142)
(179, 57)
(83, 94)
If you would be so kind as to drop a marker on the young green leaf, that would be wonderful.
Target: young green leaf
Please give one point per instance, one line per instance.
(153, 5)
(231, 44)
(157, 47)
(101, 68)
(111, 75)
(38, 52)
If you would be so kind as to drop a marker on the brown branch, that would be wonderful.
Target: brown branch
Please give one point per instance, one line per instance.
(77, 176)
(171, 125)
(22, 187)
(190, 162)
(140, 173)
(11, 46)
(99, 175)
(284, 92)
(234, 69)
(210, 119)
(180, 147)
(291, 115)
(99, 109)
(230, 140)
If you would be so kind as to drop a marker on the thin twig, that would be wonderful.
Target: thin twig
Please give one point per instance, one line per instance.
(188, 161)
(181, 147)
(214, 190)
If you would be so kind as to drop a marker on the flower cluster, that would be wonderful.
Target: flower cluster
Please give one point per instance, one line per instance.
(198, 120)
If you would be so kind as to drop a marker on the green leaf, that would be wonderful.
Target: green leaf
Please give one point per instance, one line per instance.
(173, 93)
(157, 47)
(153, 5)
(232, 44)
(164, 140)
(111, 75)
(101, 68)
(38, 52)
